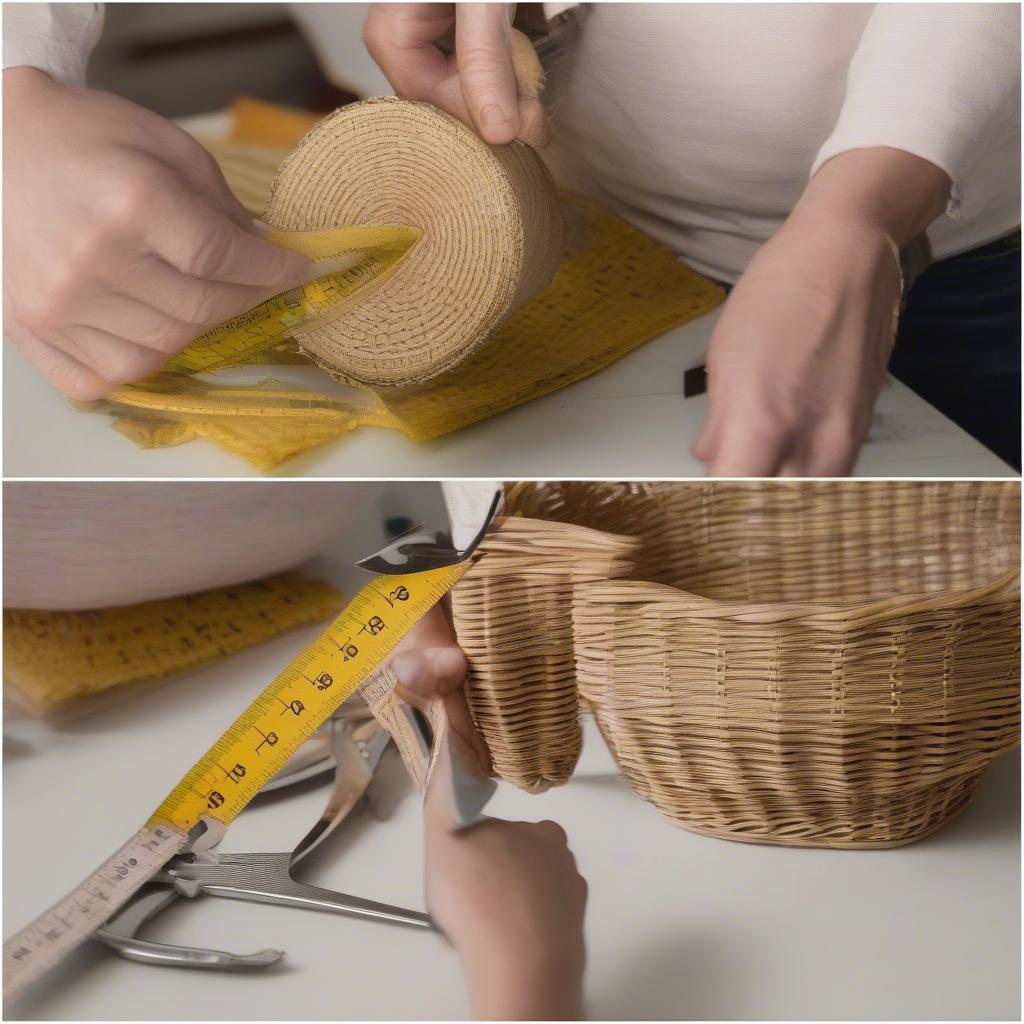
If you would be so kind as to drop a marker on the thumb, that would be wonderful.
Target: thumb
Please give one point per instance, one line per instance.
(534, 126)
(483, 51)
(426, 673)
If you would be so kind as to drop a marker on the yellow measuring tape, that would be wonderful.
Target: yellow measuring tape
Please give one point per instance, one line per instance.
(253, 749)
(368, 254)
(266, 424)
(303, 697)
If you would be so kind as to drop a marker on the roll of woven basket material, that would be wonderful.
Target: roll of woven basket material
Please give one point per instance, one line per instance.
(491, 235)
(513, 617)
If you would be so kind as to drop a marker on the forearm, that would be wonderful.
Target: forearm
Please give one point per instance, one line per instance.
(501, 993)
(886, 189)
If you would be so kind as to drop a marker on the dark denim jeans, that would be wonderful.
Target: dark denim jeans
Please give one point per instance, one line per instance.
(959, 343)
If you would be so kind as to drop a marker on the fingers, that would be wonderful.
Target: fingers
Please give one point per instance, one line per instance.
(429, 664)
(552, 831)
(401, 37)
(483, 50)
(707, 440)
(756, 444)
(836, 444)
(493, 81)
(200, 242)
(112, 358)
(534, 126)
(200, 304)
(745, 445)
(427, 674)
(65, 373)
(203, 174)
(136, 322)
(428, 661)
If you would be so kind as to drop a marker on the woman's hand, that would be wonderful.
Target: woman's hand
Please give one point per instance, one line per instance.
(509, 898)
(122, 241)
(430, 664)
(506, 893)
(478, 83)
(799, 354)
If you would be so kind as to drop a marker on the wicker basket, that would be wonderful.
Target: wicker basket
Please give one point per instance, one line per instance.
(805, 664)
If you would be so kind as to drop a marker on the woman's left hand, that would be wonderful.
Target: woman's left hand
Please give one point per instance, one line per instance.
(429, 665)
(799, 354)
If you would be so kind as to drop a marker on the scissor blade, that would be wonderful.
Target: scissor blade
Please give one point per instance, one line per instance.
(419, 550)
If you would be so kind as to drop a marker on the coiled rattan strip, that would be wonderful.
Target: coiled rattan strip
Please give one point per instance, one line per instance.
(491, 235)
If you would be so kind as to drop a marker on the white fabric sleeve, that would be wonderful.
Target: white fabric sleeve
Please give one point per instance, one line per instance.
(55, 38)
(941, 81)
(553, 10)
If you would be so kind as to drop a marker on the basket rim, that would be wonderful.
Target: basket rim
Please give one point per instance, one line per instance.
(680, 603)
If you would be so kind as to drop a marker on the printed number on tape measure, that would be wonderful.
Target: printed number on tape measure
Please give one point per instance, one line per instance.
(236, 767)
(302, 697)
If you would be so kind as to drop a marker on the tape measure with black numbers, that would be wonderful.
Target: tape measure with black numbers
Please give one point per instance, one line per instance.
(252, 750)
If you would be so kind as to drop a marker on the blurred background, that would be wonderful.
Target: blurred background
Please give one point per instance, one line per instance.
(180, 59)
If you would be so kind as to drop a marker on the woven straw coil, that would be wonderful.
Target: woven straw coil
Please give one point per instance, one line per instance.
(813, 664)
(491, 235)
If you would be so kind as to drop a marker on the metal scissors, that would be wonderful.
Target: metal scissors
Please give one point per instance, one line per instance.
(353, 744)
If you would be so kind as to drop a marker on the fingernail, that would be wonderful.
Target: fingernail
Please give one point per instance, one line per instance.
(493, 116)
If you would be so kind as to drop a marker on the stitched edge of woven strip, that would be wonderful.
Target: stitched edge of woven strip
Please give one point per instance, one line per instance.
(812, 664)
(492, 235)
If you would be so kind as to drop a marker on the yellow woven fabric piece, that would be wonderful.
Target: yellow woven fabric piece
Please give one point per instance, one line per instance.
(52, 657)
(613, 290)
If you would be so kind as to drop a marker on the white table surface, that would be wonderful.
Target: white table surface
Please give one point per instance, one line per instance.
(678, 925)
(629, 420)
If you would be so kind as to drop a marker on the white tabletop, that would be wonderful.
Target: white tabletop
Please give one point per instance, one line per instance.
(629, 420)
(678, 925)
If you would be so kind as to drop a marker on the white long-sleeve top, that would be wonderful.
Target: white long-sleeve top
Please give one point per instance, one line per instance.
(56, 38)
(701, 123)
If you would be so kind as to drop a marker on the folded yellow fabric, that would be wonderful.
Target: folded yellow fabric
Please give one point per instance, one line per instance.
(512, 291)
(52, 658)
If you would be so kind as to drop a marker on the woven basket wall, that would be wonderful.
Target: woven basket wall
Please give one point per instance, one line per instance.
(807, 664)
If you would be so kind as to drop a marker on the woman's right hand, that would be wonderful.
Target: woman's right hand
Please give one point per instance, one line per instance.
(506, 893)
(508, 896)
(122, 241)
